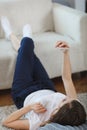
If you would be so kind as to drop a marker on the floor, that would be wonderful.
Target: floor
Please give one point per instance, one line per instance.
(80, 81)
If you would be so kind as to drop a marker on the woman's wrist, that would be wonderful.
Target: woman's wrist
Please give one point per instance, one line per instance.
(66, 52)
(27, 108)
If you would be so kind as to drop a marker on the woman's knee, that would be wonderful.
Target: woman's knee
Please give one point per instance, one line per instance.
(27, 43)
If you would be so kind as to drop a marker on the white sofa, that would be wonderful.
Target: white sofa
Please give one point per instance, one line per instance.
(50, 23)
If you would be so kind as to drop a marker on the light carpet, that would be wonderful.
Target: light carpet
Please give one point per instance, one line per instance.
(7, 110)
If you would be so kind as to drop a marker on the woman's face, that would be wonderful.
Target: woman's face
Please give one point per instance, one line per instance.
(62, 103)
(65, 101)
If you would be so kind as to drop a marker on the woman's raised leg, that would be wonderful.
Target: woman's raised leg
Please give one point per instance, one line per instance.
(23, 75)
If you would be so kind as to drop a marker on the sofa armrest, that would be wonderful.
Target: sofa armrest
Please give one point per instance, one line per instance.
(70, 22)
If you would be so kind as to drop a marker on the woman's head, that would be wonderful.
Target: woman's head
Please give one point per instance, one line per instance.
(70, 113)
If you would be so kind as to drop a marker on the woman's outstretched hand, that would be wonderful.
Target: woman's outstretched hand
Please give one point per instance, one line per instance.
(38, 108)
(62, 46)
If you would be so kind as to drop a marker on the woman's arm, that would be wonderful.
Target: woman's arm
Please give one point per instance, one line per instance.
(17, 114)
(66, 71)
(14, 121)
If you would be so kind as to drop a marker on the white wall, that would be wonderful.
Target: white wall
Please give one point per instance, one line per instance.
(77, 4)
(80, 4)
(71, 2)
(65, 2)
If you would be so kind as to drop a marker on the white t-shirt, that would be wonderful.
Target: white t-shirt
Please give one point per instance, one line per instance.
(49, 99)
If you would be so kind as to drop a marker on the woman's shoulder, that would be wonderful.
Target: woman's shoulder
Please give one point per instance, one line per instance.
(55, 97)
(58, 94)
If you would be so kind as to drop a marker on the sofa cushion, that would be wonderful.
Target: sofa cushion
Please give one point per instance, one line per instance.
(55, 126)
(38, 13)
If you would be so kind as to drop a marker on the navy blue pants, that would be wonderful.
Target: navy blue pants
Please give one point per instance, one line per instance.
(30, 75)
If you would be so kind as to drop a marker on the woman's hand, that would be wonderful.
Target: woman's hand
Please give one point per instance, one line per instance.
(62, 46)
(38, 108)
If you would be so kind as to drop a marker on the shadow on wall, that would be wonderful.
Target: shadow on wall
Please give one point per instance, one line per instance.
(64, 2)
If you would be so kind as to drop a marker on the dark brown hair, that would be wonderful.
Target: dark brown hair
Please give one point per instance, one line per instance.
(72, 114)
